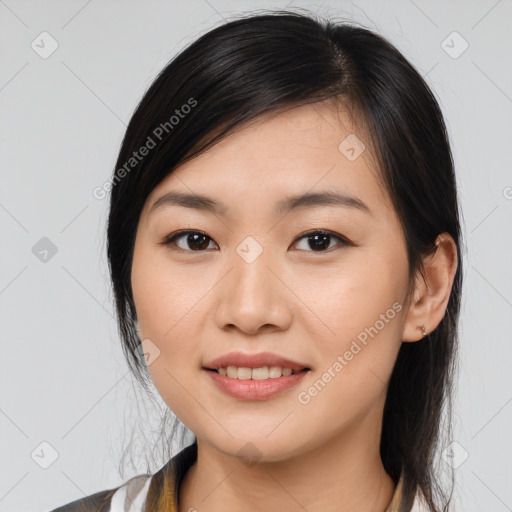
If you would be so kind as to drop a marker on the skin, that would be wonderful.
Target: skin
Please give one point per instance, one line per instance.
(300, 303)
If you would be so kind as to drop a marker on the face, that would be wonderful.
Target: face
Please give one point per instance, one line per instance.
(320, 283)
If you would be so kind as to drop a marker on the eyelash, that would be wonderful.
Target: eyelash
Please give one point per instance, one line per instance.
(179, 234)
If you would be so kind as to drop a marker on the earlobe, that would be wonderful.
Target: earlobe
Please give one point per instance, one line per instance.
(423, 329)
(432, 290)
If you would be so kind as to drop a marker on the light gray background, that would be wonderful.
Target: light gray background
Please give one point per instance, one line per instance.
(63, 377)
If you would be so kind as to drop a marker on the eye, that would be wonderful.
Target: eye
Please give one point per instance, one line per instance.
(319, 240)
(197, 241)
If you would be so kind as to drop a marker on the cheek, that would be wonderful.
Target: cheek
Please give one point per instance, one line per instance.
(169, 308)
(166, 296)
(360, 303)
(354, 295)
(357, 353)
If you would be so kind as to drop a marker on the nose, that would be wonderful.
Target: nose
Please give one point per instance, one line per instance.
(253, 297)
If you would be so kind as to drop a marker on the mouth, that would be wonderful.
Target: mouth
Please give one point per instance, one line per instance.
(260, 373)
(258, 366)
(258, 376)
(260, 383)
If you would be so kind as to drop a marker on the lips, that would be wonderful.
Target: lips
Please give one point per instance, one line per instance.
(255, 389)
(241, 360)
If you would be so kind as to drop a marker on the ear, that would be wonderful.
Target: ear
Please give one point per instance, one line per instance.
(432, 291)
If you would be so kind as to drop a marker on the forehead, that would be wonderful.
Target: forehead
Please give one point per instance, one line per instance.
(310, 148)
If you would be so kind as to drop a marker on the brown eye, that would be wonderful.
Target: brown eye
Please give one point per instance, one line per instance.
(193, 240)
(197, 241)
(320, 241)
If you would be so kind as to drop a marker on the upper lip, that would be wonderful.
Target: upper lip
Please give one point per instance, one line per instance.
(259, 360)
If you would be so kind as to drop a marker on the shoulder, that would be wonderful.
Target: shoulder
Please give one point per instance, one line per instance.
(131, 493)
(134, 493)
(99, 501)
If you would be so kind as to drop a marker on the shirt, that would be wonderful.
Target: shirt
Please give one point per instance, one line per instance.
(135, 492)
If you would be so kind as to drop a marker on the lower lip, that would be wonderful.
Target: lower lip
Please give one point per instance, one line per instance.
(249, 389)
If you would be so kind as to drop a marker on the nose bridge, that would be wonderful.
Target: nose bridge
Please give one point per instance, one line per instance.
(252, 296)
(251, 279)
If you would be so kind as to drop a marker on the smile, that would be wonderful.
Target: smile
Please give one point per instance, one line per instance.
(261, 373)
(250, 388)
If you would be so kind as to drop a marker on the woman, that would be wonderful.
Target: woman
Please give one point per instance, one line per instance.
(284, 247)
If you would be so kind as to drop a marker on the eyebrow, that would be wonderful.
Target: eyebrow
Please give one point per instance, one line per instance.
(300, 201)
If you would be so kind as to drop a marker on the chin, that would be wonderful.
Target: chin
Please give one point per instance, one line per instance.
(258, 449)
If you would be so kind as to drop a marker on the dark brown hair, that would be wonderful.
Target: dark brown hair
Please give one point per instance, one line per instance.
(262, 64)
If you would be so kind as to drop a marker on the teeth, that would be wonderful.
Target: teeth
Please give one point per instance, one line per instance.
(262, 373)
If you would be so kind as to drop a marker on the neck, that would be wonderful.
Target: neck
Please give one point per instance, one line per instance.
(344, 474)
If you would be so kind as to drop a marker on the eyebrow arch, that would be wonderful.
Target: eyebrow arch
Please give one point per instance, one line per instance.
(307, 200)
